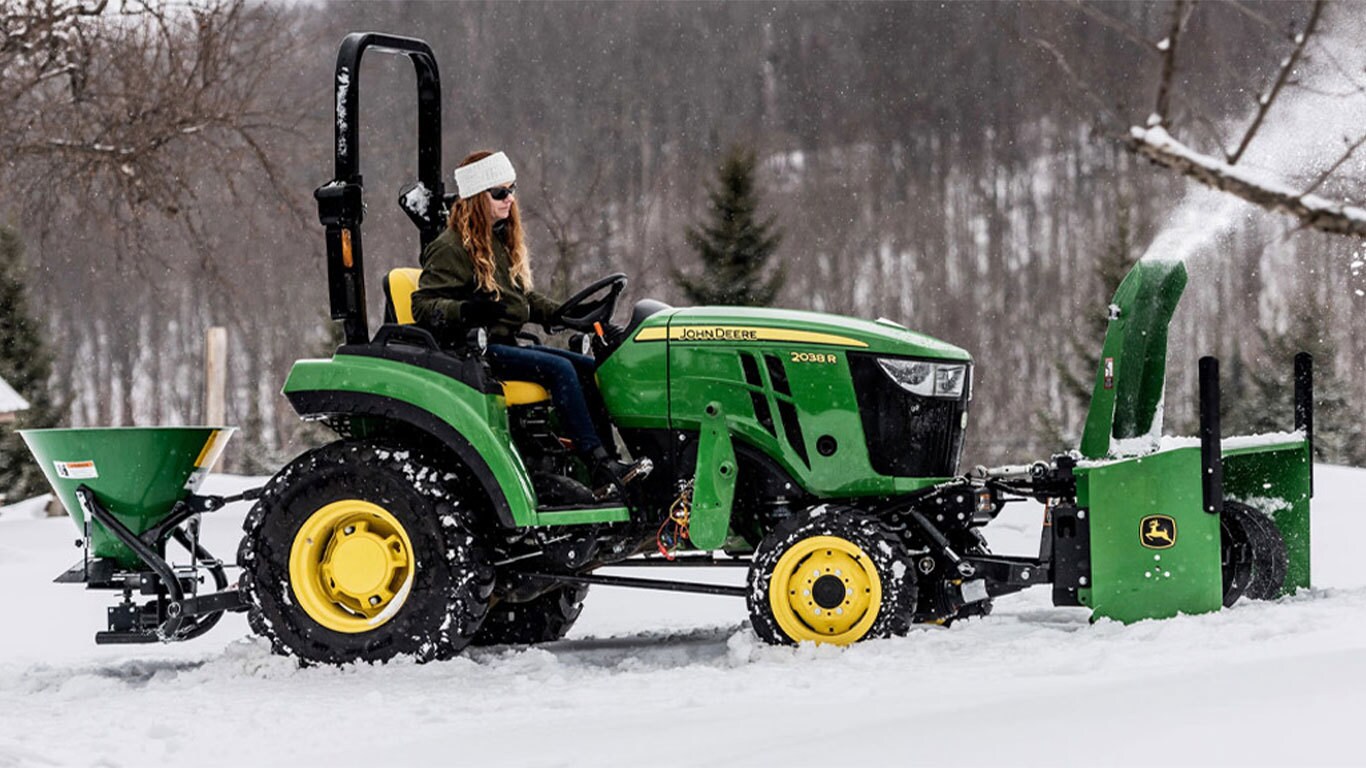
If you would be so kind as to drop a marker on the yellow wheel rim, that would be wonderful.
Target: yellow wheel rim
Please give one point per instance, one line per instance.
(825, 589)
(351, 566)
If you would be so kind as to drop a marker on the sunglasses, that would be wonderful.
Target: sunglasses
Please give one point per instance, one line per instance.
(503, 193)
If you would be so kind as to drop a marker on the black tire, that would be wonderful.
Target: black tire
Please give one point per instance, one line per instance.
(863, 536)
(543, 619)
(1253, 552)
(446, 580)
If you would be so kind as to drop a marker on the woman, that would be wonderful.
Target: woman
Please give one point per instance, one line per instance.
(477, 274)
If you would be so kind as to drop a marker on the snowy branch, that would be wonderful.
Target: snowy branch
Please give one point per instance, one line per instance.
(1313, 211)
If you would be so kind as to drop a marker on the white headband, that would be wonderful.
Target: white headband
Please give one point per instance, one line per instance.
(493, 171)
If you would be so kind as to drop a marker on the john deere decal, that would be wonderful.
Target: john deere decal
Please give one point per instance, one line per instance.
(734, 333)
(1157, 532)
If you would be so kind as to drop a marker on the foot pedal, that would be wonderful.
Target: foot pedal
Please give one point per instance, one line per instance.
(638, 471)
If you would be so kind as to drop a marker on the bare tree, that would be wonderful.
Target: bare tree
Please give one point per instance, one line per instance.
(569, 223)
(1156, 141)
(128, 106)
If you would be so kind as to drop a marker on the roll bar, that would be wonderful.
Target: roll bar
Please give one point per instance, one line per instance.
(341, 205)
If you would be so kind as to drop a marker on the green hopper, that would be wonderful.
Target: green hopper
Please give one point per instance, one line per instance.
(131, 490)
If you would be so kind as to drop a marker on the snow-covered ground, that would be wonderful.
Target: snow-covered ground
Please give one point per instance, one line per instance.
(656, 679)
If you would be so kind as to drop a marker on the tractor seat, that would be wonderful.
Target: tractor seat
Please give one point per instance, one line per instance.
(399, 285)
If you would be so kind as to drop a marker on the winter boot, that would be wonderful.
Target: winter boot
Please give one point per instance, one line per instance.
(611, 475)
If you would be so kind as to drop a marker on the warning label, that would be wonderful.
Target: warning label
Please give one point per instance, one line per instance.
(76, 470)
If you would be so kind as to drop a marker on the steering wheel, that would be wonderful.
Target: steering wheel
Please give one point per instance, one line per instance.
(584, 309)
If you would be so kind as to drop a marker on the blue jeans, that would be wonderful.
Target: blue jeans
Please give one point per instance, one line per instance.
(568, 376)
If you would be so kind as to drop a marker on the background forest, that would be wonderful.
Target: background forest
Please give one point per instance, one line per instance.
(958, 168)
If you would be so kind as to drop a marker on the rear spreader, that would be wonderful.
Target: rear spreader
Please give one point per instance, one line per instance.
(820, 453)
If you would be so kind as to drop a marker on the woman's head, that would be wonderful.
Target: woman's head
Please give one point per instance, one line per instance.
(473, 217)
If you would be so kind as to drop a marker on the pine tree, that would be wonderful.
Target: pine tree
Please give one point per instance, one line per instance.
(734, 244)
(26, 364)
(1258, 395)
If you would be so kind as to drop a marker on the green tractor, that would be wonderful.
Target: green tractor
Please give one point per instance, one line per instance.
(820, 453)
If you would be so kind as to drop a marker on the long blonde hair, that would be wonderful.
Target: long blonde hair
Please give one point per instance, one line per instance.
(471, 220)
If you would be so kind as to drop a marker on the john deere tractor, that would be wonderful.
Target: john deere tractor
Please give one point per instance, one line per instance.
(820, 453)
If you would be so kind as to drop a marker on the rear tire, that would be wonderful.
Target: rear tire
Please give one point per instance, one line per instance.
(359, 552)
(1253, 553)
(831, 575)
(543, 619)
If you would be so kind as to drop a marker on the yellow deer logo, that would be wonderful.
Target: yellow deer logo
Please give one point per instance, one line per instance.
(1157, 532)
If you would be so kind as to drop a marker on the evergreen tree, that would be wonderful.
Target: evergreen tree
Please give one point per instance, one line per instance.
(26, 364)
(734, 244)
(1259, 390)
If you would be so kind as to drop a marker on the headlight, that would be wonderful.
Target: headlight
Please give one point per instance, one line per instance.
(948, 380)
(926, 379)
(911, 375)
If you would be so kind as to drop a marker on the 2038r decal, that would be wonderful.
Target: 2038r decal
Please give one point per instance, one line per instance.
(814, 357)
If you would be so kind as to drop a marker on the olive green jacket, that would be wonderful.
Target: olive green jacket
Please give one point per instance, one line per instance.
(448, 281)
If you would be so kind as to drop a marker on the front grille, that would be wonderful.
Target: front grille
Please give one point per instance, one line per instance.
(907, 435)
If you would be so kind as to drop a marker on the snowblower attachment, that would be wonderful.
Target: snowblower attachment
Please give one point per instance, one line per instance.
(1179, 526)
(130, 490)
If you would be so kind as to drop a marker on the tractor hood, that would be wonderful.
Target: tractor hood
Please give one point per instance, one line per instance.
(788, 325)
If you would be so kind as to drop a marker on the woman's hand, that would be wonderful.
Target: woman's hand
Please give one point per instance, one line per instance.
(476, 312)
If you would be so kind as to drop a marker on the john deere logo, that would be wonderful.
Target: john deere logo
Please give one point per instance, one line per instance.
(1157, 532)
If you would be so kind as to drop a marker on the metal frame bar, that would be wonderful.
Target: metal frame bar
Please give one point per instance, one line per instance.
(1304, 406)
(178, 608)
(174, 609)
(681, 562)
(634, 583)
(1211, 452)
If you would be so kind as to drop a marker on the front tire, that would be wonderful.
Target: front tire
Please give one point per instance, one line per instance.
(359, 552)
(831, 575)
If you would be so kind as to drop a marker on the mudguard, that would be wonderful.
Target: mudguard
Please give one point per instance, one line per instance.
(471, 423)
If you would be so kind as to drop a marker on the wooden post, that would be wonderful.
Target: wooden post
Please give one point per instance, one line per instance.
(215, 380)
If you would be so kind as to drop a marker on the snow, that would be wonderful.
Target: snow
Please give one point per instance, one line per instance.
(11, 401)
(417, 199)
(1198, 223)
(1157, 136)
(343, 89)
(27, 509)
(1147, 442)
(673, 680)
